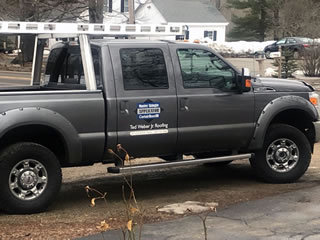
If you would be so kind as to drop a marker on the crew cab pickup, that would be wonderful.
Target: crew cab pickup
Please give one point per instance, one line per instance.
(155, 98)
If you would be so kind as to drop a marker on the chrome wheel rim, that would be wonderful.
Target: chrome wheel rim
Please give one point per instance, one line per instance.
(28, 179)
(282, 155)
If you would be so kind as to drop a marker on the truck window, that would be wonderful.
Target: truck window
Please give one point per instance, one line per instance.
(203, 69)
(143, 68)
(65, 70)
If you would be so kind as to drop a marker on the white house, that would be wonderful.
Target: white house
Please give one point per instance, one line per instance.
(199, 16)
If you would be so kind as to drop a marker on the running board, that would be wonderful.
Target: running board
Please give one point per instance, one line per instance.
(155, 166)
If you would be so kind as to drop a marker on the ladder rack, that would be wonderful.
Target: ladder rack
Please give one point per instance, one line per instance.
(45, 30)
(50, 29)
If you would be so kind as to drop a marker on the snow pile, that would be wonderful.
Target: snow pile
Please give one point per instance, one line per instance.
(189, 206)
(236, 48)
(270, 72)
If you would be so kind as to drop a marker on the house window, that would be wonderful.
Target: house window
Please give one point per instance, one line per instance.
(211, 34)
(180, 37)
(124, 6)
(107, 7)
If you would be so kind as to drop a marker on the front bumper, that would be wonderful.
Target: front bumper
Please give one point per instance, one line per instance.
(317, 131)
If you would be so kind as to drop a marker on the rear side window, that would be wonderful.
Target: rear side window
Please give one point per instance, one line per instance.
(143, 68)
(65, 70)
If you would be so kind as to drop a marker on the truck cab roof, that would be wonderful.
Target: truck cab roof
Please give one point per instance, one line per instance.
(105, 42)
(102, 42)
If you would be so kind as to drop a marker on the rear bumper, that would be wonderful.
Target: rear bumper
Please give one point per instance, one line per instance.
(317, 131)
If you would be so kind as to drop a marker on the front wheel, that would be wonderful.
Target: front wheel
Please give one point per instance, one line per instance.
(267, 54)
(30, 178)
(285, 156)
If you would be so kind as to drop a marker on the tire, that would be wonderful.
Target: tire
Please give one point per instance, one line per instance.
(285, 156)
(30, 178)
(267, 54)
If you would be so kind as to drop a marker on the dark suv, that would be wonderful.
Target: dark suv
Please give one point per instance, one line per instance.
(294, 44)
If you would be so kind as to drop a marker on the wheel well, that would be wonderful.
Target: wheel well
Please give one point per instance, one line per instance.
(298, 119)
(40, 134)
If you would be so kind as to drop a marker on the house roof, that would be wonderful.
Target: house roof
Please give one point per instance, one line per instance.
(196, 11)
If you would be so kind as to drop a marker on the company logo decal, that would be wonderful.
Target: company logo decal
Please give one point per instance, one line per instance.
(148, 110)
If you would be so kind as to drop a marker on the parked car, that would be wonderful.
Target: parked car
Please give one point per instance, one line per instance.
(294, 44)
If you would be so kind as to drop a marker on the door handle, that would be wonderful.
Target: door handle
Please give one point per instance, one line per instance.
(184, 104)
(124, 107)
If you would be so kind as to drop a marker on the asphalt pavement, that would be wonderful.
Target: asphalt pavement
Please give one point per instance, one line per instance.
(12, 78)
(293, 216)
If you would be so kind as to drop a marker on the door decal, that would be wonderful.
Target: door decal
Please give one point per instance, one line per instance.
(148, 110)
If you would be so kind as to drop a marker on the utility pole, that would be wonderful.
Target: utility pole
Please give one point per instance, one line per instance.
(131, 12)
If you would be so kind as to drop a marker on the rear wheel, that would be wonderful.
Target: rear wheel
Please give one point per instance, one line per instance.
(285, 155)
(30, 178)
(267, 53)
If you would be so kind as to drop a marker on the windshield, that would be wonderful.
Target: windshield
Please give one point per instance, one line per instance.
(282, 41)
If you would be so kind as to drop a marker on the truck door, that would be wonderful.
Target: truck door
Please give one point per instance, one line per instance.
(212, 114)
(146, 99)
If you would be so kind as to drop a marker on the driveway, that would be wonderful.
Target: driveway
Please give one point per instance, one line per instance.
(71, 215)
(290, 216)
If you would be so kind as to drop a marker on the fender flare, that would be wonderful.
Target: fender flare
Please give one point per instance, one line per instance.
(14, 118)
(275, 107)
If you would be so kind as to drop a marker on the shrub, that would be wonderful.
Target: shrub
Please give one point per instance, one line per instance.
(288, 64)
(311, 62)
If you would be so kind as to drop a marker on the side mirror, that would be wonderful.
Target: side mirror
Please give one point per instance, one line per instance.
(246, 72)
(245, 80)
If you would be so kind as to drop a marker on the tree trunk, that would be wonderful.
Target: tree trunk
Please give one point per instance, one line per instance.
(26, 41)
(262, 23)
(96, 11)
(276, 24)
(27, 48)
(218, 4)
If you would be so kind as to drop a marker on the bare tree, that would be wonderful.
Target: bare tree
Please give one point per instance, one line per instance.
(282, 18)
(275, 7)
(39, 10)
(300, 18)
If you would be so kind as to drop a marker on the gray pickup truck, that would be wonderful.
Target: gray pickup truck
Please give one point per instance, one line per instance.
(155, 98)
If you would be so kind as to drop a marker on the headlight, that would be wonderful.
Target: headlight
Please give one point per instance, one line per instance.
(314, 99)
